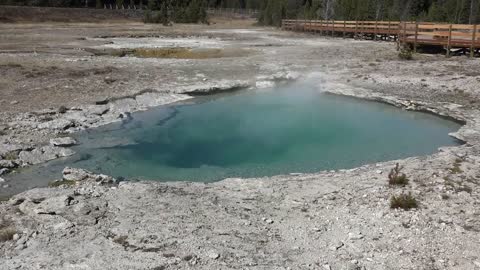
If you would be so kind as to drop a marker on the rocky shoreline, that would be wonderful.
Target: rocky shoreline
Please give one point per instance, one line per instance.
(327, 220)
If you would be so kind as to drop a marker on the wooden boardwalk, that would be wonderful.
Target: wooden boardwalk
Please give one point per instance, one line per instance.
(461, 37)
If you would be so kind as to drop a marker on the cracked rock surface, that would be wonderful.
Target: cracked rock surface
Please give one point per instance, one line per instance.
(327, 220)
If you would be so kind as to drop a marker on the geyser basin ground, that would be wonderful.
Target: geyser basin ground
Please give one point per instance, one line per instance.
(289, 129)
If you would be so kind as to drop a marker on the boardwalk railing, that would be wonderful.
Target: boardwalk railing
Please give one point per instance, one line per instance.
(446, 35)
(345, 27)
(450, 36)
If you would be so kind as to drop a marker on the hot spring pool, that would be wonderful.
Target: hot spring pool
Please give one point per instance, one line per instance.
(290, 129)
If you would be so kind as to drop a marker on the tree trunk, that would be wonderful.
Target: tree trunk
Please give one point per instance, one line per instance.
(406, 10)
(473, 12)
(379, 10)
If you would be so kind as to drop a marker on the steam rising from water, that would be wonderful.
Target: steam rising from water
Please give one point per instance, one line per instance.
(292, 128)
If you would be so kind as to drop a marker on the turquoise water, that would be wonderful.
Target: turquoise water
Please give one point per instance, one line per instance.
(253, 133)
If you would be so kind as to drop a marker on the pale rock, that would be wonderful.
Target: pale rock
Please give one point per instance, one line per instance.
(74, 174)
(16, 237)
(150, 99)
(336, 245)
(43, 154)
(4, 171)
(355, 236)
(213, 255)
(20, 247)
(60, 124)
(9, 164)
(63, 141)
(7, 148)
(63, 226)
(264, 84)
(97, 109)
(123, 105)
(76, 116)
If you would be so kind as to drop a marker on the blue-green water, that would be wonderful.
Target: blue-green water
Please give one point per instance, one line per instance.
(290, 129)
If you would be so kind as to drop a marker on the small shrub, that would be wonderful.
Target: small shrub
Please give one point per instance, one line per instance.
(13, 155)
(122, 240)
(456, 166)
(405, 53)
(403, 201)
(464, 188)
(397, 178)
(6, 230)
(62, 109)
(156, 17)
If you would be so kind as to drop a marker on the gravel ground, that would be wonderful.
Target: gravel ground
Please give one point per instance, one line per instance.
(52, 85)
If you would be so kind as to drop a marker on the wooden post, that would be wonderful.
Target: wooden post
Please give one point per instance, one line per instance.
(388, 35)
(449, 40)
(416, 38)
(404, 33)
(361, 29)
(344, 28)
(375, 31)
(474, 37)
(333, 27)
(356, 27)
(399, 32)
